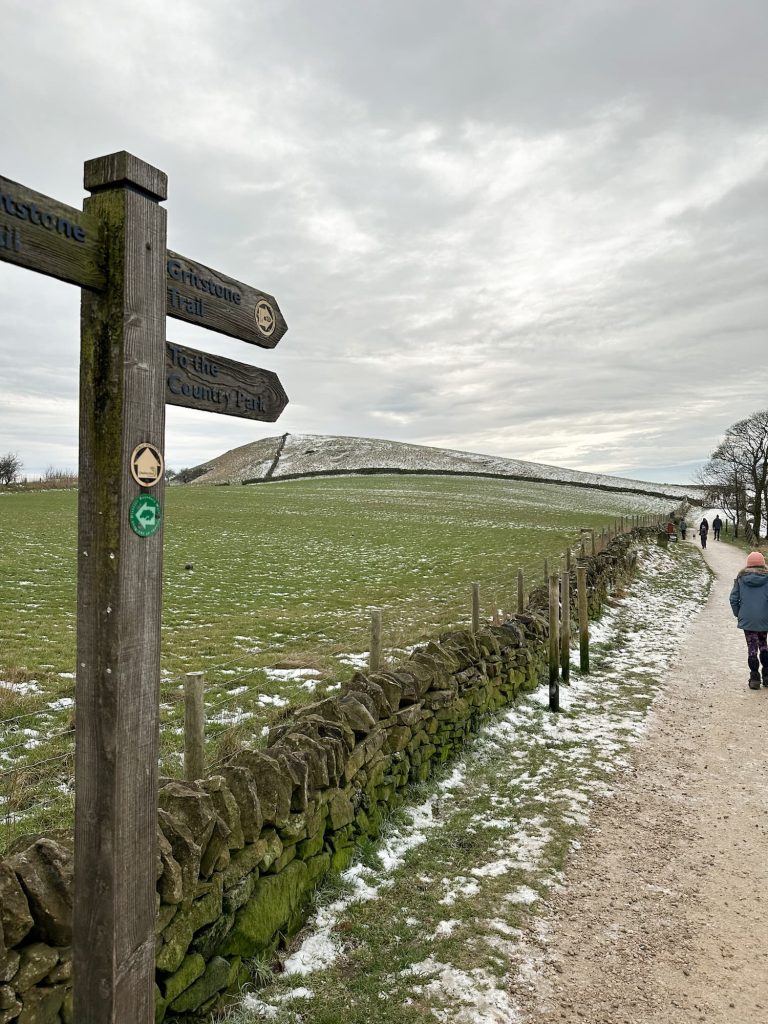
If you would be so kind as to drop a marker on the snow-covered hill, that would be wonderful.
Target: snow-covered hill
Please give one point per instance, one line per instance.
(301, 455)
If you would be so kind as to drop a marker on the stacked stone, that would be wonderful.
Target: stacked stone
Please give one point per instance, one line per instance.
(36, 887)
(239, 854)
(252, 843)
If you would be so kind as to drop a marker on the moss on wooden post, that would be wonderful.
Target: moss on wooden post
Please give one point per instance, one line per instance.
(122, 405)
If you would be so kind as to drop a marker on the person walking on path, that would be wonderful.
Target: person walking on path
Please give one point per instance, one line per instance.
(676, 856)
(749, 603)
(703, 531)
(683, 528)
(717, 525)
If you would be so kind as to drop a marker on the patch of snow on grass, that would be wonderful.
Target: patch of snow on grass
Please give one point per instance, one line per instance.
(354, 660)
(460, 886)
(272, 699)
(321, 948)
(21, 689)
(286, 674)
(295, 993)
(523, 895)
(233, 716)
(473, 996)
(394, 850)
(264, 1010)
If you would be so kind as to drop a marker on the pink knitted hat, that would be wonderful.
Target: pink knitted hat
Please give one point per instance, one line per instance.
(754, 558)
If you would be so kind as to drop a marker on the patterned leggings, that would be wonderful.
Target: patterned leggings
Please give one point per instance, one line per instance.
(755, 641)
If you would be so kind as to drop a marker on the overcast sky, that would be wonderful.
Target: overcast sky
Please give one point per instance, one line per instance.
(532, 228)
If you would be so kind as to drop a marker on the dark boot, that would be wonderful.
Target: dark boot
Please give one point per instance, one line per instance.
(764, 662)
(754, 674)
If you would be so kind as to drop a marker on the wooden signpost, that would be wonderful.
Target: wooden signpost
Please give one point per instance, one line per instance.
(115, 250)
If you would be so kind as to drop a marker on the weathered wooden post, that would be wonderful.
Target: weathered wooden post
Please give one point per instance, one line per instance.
(520, 592)
(546, 570)
(568, 559)
(374, 659)
(554, 647)
(565, 626)
(115, 251)
(120, 570)
(581, 584)
(194, 726)
(475, 607)
(592, 536)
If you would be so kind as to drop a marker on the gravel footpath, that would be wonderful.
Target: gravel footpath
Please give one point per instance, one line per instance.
(664, 916)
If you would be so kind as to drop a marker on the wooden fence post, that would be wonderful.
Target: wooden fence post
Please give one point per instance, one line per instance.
(592, 536)
(120, 571)
(475, 607)
(546, 570)
(194, 727)
(581, 583)
(565, 626)
(554, 647)
(374, 658)
(520, 592)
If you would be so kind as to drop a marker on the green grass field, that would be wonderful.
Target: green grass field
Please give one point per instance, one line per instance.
(276, 606)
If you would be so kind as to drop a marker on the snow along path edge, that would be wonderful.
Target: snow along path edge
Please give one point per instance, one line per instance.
(664, 917)
(526, 785)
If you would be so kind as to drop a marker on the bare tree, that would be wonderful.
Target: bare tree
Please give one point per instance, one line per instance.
(10, 465)
(724, 489)
(737, 472)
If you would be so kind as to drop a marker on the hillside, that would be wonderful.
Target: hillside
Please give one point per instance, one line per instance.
(292, 456)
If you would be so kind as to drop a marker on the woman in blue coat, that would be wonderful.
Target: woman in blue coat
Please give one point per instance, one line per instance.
(749, 602)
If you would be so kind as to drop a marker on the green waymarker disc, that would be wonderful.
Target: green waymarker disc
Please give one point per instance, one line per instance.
(145, 515)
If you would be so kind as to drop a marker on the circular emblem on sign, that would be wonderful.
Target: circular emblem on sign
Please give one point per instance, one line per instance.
(265, 317)
(145, 515)
(147, 465)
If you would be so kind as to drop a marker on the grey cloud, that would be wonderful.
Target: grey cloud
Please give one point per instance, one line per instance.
(536, 229)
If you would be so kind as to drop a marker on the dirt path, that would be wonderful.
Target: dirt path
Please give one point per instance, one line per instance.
(665, 913)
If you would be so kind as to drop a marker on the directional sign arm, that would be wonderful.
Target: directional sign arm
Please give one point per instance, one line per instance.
(198, 380)
(42, 234)
(199, 295)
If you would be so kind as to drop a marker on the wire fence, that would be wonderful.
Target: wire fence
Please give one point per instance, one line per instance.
(32, 785)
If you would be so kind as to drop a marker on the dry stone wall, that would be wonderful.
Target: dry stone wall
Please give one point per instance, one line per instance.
(238, 854)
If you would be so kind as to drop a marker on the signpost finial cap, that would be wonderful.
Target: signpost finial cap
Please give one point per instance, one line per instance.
(124, 170)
